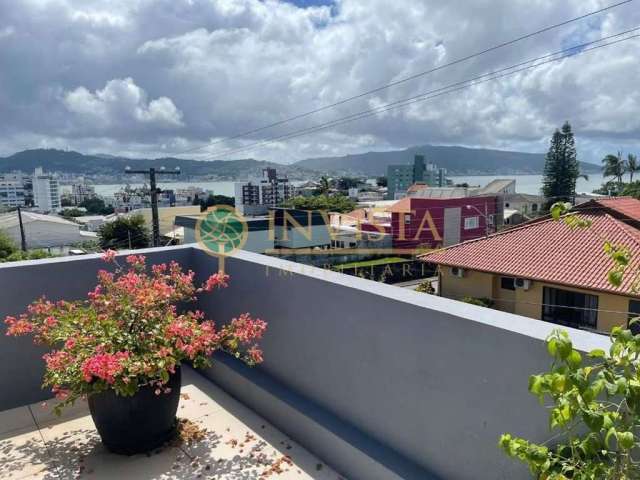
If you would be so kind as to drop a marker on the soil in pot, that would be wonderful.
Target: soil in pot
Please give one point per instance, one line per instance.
(138, 424)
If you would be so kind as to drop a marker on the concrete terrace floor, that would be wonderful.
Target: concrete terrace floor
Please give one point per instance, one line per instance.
(239, 445)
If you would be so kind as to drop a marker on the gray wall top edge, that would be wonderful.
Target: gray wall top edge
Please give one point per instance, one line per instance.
(90, 256)
(538, 329)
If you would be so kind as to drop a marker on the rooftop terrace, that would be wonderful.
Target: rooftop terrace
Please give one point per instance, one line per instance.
(238, 444)
(365, 380)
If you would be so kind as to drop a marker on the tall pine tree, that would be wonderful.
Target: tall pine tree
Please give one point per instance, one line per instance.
(561, 168)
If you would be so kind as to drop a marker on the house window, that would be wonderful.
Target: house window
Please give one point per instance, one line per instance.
(471, 222)
(507, 283)
(407, 218)
(573, 309)
(634, 312)
(534, 207)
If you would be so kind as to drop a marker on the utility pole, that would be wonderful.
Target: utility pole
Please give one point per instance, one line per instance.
(486, 220)
(23, 240)
(154, 196)
(485, 215)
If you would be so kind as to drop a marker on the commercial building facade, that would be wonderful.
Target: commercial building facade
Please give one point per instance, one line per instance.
(280, 229)
(434, 223)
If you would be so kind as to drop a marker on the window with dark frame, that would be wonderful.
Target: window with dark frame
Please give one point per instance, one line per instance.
(507, 283)
(572, 309)
(634, 312)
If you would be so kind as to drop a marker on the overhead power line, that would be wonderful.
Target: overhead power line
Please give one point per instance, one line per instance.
(407, 79)
(451, 88)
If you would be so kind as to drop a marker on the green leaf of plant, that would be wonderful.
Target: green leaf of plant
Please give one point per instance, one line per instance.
(574, 359)
(615, 277)
(536, 384)
(625, 440)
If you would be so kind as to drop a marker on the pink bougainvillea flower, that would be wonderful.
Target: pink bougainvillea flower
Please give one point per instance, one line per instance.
(255, 354)
(60, 393)
(18, 327)
(247, 329)
(129, 332)
(136, 260)
(217, 280)
(105, 366)
(109, 256)
(50, 321)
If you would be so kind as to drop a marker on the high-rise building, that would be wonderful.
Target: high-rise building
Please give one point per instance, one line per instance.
(12, 190)
(46, 191)
(401, 177)
(255, 198)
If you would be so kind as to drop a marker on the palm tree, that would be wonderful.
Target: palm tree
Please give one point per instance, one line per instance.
(614, 166)
(632, 166)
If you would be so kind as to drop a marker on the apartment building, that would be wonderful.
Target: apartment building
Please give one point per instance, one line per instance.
(46, 192)
(257, 197)
(12, 190)
(401, 177)
(81, 192)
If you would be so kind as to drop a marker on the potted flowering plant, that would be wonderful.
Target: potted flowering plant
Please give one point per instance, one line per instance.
(122, 347)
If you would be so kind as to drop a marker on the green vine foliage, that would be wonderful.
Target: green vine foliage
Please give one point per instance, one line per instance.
(594, 412)
(593, 402)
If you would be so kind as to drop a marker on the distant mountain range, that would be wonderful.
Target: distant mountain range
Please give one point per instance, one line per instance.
(107, 165)
(457, 161)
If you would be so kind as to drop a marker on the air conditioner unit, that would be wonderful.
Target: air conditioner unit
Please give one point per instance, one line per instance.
(457, 272)
(523, 283)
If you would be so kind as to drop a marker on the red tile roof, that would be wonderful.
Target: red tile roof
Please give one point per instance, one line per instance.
(550, 251)
(627, 207)
(401, 206)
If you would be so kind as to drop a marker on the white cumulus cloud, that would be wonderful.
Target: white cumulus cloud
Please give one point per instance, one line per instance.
(158, 77)
(121, 103)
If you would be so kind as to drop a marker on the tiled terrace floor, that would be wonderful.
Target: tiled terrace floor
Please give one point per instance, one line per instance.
(239, 445)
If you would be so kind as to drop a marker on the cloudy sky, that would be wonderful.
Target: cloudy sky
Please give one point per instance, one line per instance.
(161, 77)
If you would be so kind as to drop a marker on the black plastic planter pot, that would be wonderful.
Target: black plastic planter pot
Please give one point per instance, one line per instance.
(138, 424)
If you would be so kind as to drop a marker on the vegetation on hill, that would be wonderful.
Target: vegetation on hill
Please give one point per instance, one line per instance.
(457, 161)
(74, 162)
